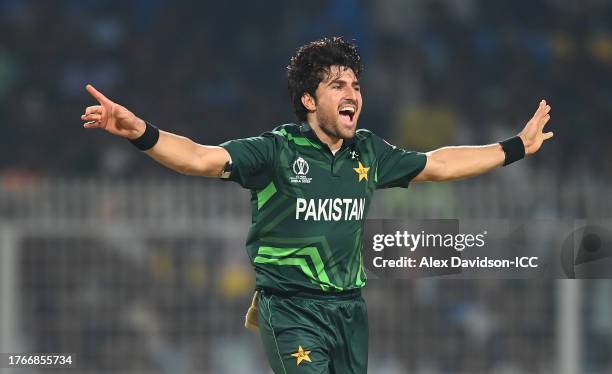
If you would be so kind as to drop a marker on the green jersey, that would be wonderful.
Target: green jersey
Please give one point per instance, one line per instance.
(309, 205)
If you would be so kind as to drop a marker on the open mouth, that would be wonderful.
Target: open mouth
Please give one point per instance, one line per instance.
(347, 112)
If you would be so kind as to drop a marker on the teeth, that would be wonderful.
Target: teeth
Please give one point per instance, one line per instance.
(348, 108)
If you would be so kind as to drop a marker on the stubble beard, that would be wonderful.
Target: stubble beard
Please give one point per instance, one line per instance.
(331, 127)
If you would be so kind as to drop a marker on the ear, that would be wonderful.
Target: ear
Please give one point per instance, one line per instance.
(309, 102)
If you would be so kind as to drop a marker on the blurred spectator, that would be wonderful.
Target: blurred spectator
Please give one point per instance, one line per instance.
(212, 73)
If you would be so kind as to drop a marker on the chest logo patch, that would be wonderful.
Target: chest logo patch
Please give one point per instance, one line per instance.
(301, 355)
(300, 169)
(362, 171)
(300, 166)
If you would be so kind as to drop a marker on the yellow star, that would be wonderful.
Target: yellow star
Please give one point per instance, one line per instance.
(301, 355)
(362, 171)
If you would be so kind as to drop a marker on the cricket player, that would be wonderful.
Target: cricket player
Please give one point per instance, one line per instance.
(311, 185)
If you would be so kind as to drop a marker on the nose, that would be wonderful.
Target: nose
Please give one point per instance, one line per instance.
(352, 94)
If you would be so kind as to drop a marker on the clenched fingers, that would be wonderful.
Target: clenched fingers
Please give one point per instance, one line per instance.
(92, 125)
(542, 110)
(96, 109)
(91, 117)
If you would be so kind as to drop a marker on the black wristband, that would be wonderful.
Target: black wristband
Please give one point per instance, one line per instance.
(514, 149)
(148, 139)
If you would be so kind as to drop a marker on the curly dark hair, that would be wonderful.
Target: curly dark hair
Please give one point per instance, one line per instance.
(311, 64)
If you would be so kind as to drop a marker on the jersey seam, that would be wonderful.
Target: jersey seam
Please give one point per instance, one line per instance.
(274, 336)
(277, 151)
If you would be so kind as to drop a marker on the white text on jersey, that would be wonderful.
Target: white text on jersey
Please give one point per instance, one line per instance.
(329, 209)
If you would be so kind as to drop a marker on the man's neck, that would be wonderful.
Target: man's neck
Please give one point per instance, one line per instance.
(333, 143)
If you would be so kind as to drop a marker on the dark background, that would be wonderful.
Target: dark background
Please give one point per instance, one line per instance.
(437, 73)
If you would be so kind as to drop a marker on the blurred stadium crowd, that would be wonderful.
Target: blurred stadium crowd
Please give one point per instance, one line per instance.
(150, 276)
(176, 311)
(437, 73)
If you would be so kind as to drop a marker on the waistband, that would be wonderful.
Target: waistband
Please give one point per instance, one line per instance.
(315, 294)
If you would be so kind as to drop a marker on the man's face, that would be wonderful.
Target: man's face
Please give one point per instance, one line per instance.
(338, 103)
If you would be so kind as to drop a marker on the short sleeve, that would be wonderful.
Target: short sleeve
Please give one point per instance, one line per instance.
(252, 160)
(396, 167)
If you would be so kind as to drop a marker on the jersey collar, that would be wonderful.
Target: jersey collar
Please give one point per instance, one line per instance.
(309, 133)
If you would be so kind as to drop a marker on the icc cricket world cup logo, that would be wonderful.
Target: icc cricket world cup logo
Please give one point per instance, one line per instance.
(300, 166)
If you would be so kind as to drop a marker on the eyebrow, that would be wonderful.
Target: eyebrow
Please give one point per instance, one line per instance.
(340, 80)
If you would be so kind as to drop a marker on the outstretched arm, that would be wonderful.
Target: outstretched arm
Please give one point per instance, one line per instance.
(173, 151)
(450, 163)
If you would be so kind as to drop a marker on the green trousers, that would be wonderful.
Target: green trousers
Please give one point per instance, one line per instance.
(314, 334)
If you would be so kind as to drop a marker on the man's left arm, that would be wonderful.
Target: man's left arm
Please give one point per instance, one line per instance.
(451, 163)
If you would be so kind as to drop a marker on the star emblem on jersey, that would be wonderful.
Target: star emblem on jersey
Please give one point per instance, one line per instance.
(362, 171)
(301, 355)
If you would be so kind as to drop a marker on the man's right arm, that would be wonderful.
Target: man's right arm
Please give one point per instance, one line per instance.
(188, 157)
(173, 151)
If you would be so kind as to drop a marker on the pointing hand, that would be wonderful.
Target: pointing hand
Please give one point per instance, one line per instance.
(112, 117)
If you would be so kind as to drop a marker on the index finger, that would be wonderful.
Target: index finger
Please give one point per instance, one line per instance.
(97, 95)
